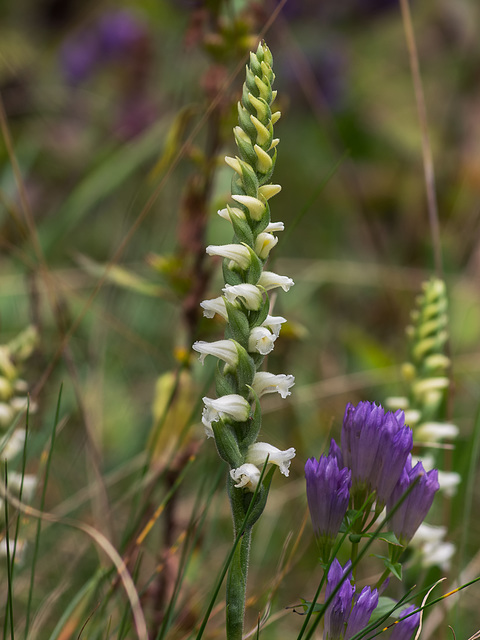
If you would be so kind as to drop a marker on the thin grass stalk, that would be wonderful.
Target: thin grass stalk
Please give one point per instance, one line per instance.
(42, 506)
(9, 610)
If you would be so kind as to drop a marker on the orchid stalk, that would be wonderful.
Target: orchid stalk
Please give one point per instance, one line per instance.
(233, 419)
(426, 375)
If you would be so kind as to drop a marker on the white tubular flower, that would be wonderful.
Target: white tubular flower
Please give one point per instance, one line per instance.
(412, 416)
(264, 244)
(265, 382)
(256, 207)
(226, 350)
(267, 191)
(448, 481)
(251, 295)
(261, 340)
(434, 431)
(14, 445)
(30, 483)
(428, 533)
(275, 227)
(246, 476)
(264, 161)
(18, 546)
(230, 406)
(234, 164)
(239, 253)
(396, 402)
(438, 555)
(269, 280)
(434, 550)
(231, 212)
(258, 452)
(274, 323)
(213, 306)
(6, 415)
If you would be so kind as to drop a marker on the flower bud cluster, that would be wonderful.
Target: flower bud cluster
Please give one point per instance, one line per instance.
(426, 372)
(13, 403)
(234, 417)
(427, 382)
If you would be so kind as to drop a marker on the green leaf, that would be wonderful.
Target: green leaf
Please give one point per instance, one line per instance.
(121, 277)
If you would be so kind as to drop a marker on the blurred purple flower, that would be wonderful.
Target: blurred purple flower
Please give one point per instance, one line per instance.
(79, 55)
(111, 36)
(375, 446)
(328, 493)
(118, 31)
(413, 510)
(342, 621)
(405, 629)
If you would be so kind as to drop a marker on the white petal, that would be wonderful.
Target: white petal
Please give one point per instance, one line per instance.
(434, 431)
(274, 323)
(236, 252)
(261, 340)
(251, 295)
(449, 481)
(265, 382)
(233, 406)
(258, 452)
(264, 244)
(246, 476)
(226, 350)
(274, 227)
(256, 207)
(6, 415)
(14, 445)
(428, 533)
(270, 280)
(213, 306)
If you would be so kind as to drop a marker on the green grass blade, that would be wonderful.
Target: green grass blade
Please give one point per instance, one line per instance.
(39, 522)
(9, 611)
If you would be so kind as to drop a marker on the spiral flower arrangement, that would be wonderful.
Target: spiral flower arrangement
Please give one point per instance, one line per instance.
(233, 419)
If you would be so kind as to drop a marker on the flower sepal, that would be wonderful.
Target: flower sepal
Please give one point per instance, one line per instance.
(245, 371)
(237, 327)
(245, 146)
(255, 421)
(241, 228)
(225, 382)
(226, 443)
(259, 317)
(261, 499)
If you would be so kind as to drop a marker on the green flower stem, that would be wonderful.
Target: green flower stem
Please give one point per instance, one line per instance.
(237, 587)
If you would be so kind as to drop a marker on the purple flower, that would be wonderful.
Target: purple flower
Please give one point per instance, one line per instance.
(362, 610)
(336, 453)
(405, 629)
(413, 510)
(342, 622)
(338, 611)
(328, 493)
(375, 447)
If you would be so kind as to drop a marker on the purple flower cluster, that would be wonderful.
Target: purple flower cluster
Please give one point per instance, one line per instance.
(375, 446)
(328, 494)
(374, 459)
(341, 620)
(412, 511)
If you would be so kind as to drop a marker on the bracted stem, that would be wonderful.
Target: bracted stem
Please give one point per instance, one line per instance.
(237, 587)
